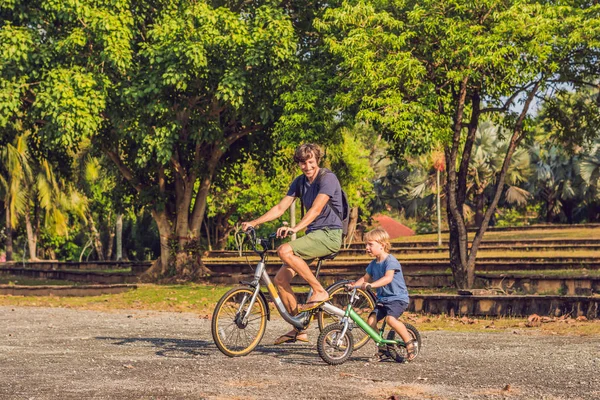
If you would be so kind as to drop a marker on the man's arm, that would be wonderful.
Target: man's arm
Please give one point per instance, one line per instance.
(274, 213)
(317, 206)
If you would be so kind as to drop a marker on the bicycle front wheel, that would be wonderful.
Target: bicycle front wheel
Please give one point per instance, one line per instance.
(363, 305)
(236, 331)
(334, 348)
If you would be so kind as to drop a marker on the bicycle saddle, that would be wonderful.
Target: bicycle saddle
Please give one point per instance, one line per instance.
(329, 257)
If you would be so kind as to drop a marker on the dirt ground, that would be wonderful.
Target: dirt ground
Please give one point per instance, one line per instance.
(53, 353)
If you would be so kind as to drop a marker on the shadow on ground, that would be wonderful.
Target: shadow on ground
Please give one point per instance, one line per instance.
(298, 354)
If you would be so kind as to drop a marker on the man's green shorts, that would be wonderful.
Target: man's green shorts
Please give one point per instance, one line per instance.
(318, 243)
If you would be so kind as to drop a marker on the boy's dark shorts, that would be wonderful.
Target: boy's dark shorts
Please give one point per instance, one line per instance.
(393, 309)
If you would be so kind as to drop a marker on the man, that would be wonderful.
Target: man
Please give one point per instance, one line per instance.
(322, 196)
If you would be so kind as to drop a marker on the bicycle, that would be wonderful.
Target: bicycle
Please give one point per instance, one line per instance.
(240, 316)
(335, 345)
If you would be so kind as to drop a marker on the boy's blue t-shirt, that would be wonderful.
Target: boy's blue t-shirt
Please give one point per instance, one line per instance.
(396, 289)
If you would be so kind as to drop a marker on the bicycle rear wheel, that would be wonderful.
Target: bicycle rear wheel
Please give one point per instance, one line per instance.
(363, 305)
(233, 335)
(399, 352)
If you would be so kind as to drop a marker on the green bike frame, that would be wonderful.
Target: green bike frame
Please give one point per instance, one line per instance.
(373, 334)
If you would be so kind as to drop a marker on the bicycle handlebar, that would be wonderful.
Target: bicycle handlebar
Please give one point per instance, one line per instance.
(250, 233)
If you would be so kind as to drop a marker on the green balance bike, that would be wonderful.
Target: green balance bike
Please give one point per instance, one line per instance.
(336, 341)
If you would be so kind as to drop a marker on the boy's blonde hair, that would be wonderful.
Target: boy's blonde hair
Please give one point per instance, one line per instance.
(380, 236)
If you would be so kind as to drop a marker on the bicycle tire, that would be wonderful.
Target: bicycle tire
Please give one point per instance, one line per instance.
(325, 345)
(399, 352)
(232, 337)
(363, 306)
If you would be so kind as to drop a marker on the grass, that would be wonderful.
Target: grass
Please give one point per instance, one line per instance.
(177, 298)
(26, 281)
(201, 300)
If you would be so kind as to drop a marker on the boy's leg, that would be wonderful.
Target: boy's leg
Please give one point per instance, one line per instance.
(372, 321)
(399, 327)
(401, 330)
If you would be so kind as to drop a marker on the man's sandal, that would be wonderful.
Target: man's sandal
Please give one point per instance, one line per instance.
(312, 305)
(291, 337)
(411, 349)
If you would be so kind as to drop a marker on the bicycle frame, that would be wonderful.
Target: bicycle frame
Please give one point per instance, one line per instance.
(362, 324)
(299, 321)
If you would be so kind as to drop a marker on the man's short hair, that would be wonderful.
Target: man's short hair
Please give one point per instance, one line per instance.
(306, 151)
(380, 236)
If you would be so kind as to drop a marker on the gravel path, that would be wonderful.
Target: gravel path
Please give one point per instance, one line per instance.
(52, 353)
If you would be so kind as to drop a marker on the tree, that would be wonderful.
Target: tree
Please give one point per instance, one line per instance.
(14, 171)
(166, 91)
(49, 202)
(426, 72)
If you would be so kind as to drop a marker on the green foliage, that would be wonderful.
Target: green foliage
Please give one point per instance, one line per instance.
(403, 62)
(349, 160)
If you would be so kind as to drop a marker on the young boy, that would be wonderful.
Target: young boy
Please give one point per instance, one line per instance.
(385, 274)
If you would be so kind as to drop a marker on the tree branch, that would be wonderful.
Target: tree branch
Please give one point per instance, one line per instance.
(515, 140)
(508, 102)
(125, 171)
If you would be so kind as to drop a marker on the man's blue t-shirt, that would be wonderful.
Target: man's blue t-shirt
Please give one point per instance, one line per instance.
(327, 183)
(396, 289)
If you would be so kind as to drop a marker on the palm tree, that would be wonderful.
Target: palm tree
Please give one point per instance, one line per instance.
(589, 171)
(52, 200)
(486, 163)
(14, 171)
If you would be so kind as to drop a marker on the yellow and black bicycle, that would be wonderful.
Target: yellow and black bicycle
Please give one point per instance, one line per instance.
(240, 317)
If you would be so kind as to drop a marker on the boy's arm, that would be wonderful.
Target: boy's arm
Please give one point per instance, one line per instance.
(384, 280)
(360, 282)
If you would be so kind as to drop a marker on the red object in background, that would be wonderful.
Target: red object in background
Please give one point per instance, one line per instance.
(394, 228)
(439, 160)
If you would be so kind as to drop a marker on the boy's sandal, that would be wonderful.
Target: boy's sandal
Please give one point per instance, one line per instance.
(291, 337)
(411, 349)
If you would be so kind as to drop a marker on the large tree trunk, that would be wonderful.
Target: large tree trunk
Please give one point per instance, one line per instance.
(9, 236)
(456, 187)
(458, 241)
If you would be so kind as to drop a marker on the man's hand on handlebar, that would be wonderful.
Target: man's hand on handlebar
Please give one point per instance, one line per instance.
(247, 225)
(284, 231)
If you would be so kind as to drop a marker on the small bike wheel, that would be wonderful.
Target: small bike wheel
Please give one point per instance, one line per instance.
(363, 305)
(233, 335)
(398, 352)
(332, 347)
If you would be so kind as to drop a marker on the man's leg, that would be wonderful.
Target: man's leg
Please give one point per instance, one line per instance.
(286, 253)
(283, 281)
